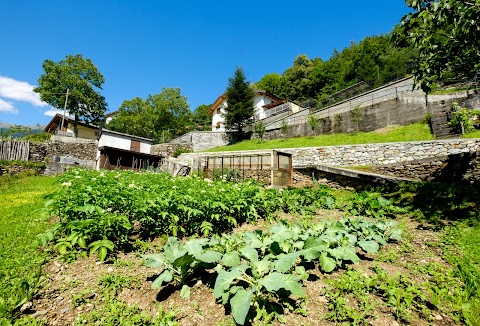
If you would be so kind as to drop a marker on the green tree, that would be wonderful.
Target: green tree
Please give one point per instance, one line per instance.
(82, 79)
(240, 110)
(274, 84)
(160, 117)
(446, 35)
(202, 117)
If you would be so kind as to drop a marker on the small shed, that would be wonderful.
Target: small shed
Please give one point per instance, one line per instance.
(271, 167)
(122, 151)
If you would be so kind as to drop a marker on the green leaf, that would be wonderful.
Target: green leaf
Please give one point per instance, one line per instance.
(312, 248)
(300, 271)
(251, 239)
(209, 256)
(281, 232)
(195, 246)
(327, 264)
(223, 281)
(259, 268)
(184, 260)
(369, 246)
(276, 281)
(166, 277)
(249, 253)
(285, 262)
(240, 304)
(154, 260)
(231, 259)
(185, 292)
(102, 253)
(396, 234)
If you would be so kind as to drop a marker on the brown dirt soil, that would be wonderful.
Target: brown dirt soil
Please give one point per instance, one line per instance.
(70, 289)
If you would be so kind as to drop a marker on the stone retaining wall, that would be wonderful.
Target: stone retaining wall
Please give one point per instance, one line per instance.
(379, 154)
(166, 150)
(461, 168)
(202, 140)
(62, 154)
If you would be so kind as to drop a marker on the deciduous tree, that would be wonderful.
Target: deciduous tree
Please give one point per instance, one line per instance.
(447, 36)
(160, 117)
(82, 79)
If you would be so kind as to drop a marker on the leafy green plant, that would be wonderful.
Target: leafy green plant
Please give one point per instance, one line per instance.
(259, 129)
(372, 204)
(261, 269)
(180, 151)
(462, 119)
(313, 122)
(226, 174)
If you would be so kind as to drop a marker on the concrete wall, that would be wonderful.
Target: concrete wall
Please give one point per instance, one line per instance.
(393, 104)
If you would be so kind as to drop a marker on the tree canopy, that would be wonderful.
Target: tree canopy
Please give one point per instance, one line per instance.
(160, 116)
(447, 36)
(82, 79)
(240, 109)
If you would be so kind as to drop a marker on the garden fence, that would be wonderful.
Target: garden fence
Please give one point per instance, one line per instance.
(14, 149)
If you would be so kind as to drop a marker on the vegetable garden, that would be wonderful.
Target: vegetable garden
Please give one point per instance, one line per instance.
(264, 255)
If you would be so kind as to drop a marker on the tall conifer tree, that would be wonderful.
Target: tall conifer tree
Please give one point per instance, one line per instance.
(240, 110)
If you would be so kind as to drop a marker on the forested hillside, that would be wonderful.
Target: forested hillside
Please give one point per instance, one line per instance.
(375, 59)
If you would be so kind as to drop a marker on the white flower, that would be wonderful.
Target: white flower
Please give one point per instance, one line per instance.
(94, 179)
(66, 184)
(132, 185)
(77, 177)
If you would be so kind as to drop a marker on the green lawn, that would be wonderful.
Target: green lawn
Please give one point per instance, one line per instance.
(21, 201)
(414, 132)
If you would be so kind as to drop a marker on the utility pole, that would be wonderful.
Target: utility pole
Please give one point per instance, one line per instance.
(64, 109)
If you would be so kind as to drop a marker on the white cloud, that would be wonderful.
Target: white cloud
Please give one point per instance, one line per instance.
(19, 91)
(52, 112)
(7, 107)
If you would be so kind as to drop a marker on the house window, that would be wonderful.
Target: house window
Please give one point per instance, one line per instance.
(135, 146)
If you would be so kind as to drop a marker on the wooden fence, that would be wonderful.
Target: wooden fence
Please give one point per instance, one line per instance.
(14, 150)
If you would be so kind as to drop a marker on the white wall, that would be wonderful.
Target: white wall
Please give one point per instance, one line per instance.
(217, 117)
(258, 102)
(121, 142)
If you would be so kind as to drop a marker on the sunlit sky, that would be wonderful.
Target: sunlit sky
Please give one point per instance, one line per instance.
(142, 46)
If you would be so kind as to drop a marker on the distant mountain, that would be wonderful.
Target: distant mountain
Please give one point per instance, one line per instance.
(6, 125)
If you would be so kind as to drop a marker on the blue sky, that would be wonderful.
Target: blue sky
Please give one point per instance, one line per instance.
(141, 46)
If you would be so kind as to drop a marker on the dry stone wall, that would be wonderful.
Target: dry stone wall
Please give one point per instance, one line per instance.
(463, 168)
(379, 154)
(167, 149)
(60, 154)
(203, 140)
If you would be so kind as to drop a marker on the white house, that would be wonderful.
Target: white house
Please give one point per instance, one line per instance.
(265, 105)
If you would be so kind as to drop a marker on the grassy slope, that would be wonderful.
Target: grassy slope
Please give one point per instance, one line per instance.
(414, 132)
(20, 221)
